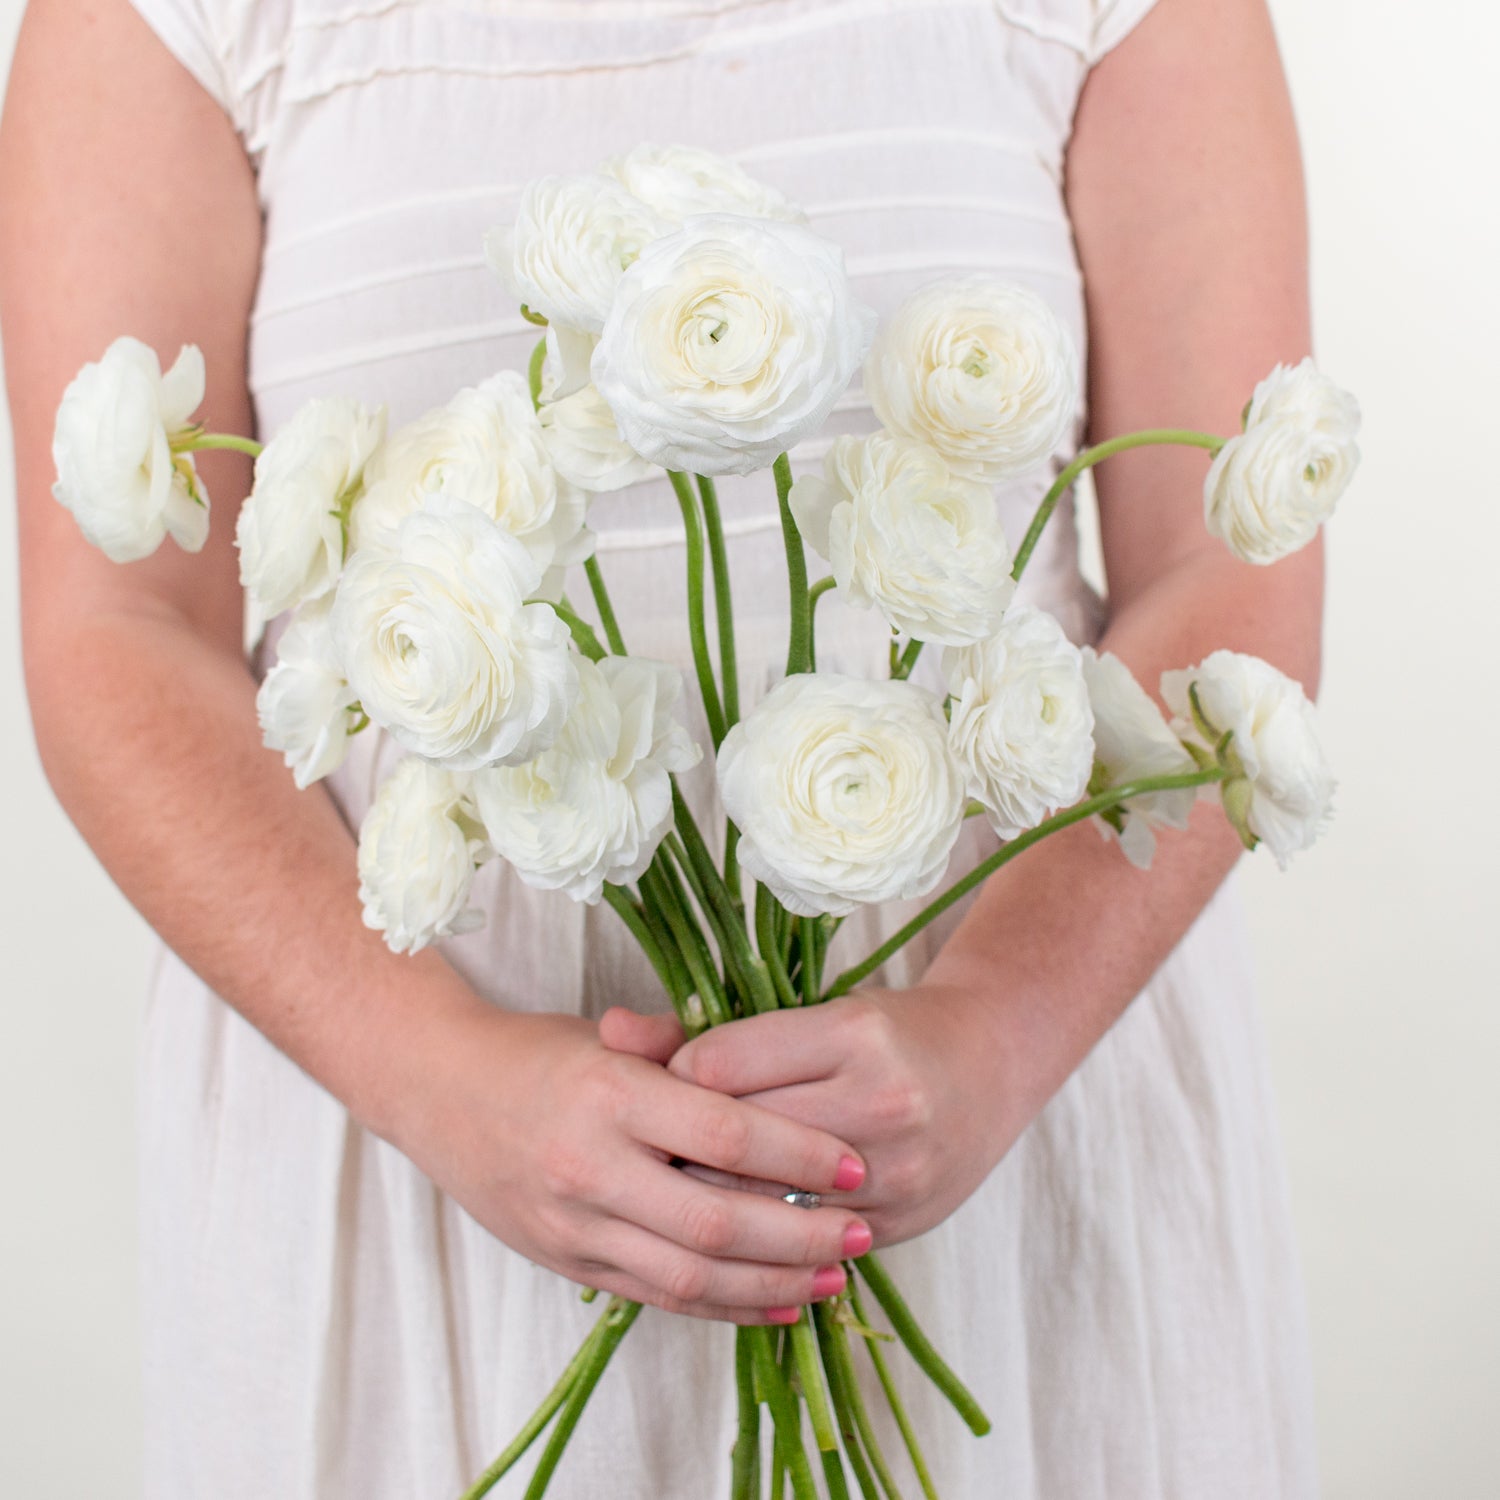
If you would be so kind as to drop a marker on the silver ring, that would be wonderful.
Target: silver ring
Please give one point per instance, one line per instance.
(800, 1199)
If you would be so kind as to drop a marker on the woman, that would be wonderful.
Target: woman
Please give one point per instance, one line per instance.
(351, 1164)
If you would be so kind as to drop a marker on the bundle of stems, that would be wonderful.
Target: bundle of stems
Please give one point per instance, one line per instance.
(722, 953)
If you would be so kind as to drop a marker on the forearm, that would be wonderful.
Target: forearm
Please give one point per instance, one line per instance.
(1059, 942)
(149, 736)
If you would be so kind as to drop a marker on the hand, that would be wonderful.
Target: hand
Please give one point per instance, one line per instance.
(912, 1078)
(560, 1147)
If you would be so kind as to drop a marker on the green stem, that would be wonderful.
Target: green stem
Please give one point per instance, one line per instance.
(769, 943)
(810, 935)
(745, 1475)
(799, 644)
(810, 1374)
(784, 1414)
(692, 526)
(815, 593)
(893, 1399)
(674, 980)
(539, 1418)
(907, 660)
(839, 1383)
(582, 632)
(1007, 852)
(534, 372)
(602, 603)
(919, 1346)
(618, 1316)
(672, 901)
(204, 442)
(1097, 454)
(718, 554)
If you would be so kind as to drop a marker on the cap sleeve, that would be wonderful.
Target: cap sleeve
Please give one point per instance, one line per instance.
(186, 29)
(1113, 21)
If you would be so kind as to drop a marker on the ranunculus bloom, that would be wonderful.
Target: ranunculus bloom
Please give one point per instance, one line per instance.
(304, 704)
(728, 342)
(1284, 792)
(844, 792)
(680, 181)
(582, 438)
(572, 240)
(980, 370)
(1132, 741)
(112, 446)
(595, 806)
(418, 848)
(486, 448)
(1270, 487)
(291, 529)
(906, 535)
(441, 647)
(1021, 724)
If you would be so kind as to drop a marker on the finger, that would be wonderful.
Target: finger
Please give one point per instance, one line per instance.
(766, 1051)
(683, 1278)
(737, 1225)
(655, 1038)
(618, 1284)
(703, 1126)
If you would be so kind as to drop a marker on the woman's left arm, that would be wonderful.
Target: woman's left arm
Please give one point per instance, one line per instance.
(1185, 190)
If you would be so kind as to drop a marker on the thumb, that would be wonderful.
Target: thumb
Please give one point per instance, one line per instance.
(655, 1038)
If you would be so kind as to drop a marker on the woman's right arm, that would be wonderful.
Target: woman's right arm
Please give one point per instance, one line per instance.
(129, 207)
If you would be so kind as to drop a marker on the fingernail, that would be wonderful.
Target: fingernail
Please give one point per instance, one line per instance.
(857, 1239)
(783, 1314)
(850, 1174)
(827, 1280)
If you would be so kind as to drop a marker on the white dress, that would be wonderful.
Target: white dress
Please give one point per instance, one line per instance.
(320, 1321)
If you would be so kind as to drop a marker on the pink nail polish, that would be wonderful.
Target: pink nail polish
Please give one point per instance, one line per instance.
(783, 1314)
(857, 1239)
(827, 1280)
(850, 1174)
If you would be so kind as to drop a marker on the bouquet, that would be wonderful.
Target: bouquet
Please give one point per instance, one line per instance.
(689, 319)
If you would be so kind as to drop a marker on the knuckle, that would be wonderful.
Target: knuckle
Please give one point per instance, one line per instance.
(567, 1172)
(899, 1105)
(708, 1225)
(709, 1064)
(903, 1177)
(685, 1281)
(726, 1137)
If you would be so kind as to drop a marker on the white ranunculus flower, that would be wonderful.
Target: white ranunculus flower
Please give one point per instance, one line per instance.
(906, 535)
(728, 342)
(680, 181)
(1270, 487)
(979, 369)
(594, 807)
(291, 530)
(112, 445)
(486, 448)
(1132, 741)
(1021, 724)
(305, 703)
(1285, 792)
(441, 648)
(844, 791)
(419, 845)
(572, 240)
(582, 437)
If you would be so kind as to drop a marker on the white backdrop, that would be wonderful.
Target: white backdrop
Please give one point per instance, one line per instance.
(1376, 955)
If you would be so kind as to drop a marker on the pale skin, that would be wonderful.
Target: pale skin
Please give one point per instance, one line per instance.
(555, 1134)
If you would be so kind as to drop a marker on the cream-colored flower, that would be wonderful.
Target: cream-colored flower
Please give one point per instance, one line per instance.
(680, 181)
(1132, 741)
(486, 448)
(583, 440)
(291, 530)
(1272, 486)
(979, 369)
(113, 448)
(728, 342)
(1281, 789)
(594, 807)
(419, 845)
(572, 240)
(1021, 724)
(441, 648)
(906, 535)
(305, 704)
(844, 792)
